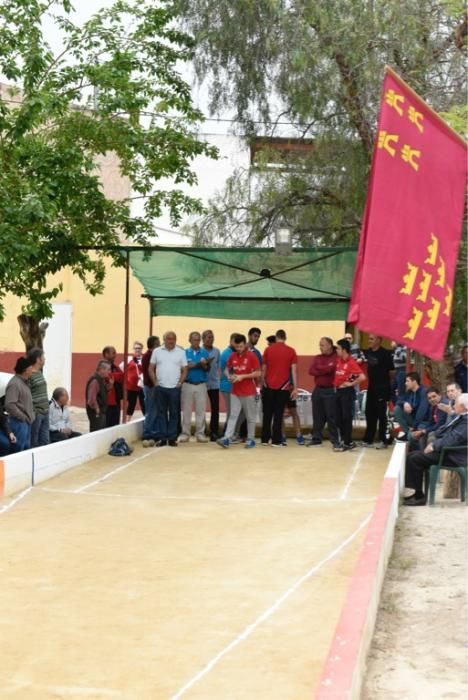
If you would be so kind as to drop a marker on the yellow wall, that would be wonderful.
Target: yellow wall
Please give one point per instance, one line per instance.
(99, 321)
(304, 336)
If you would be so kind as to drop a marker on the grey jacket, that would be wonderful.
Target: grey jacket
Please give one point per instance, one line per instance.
(453, 434)
(18, 400)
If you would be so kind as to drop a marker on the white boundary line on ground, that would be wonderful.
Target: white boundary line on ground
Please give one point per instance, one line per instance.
(216, 499)
(106, 476)
(269, 612)
(16, 500)
(357, 464)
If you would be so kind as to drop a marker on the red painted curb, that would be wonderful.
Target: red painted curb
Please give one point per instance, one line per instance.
(342, 675)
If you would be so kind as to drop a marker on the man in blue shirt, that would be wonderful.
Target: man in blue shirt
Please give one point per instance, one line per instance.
(412, 409)
(194, 391)
(213, 382)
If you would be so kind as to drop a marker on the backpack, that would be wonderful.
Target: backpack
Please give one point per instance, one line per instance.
(120, 448)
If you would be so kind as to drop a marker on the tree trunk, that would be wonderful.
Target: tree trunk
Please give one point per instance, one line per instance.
(32, 331)
(441, 374)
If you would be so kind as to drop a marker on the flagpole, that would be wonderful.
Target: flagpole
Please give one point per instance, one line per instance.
(417, 97)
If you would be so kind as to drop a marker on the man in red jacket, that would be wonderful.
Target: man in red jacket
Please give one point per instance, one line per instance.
(114, 383)
(322, 368)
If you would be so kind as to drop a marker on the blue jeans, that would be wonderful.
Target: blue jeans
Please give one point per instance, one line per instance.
(40, 430)
(7, 447)
(168, 410)
(22, 431)
(150, 426)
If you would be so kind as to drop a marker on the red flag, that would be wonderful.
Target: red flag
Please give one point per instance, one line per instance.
(405, 269)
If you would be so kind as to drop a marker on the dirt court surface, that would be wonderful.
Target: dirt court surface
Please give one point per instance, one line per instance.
(420, 646)
(192, 572)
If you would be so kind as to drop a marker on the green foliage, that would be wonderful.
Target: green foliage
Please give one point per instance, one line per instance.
(114, 87)
(314, 70)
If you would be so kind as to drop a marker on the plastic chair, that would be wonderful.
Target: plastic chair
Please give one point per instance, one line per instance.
(435, 470)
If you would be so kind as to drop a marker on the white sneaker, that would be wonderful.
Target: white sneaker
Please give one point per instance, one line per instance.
(381, 446)
(183, 437)
(202, 438)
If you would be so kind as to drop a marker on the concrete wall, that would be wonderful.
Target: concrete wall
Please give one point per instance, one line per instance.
(23, 470)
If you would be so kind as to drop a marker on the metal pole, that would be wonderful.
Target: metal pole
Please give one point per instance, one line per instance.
(126, 333)
(150, 316)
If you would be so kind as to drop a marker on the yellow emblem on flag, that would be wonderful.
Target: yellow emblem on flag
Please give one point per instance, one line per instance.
(413, 324)
(424, 286)
(441, 272)
(386, 140)
(448, 301)
(432, 314)
(409, 279)
(432, 249)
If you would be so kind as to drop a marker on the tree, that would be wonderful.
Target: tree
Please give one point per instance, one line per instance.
(314, 70)
(113, 87)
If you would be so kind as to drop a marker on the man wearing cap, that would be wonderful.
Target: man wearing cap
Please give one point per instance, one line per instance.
(19, 403)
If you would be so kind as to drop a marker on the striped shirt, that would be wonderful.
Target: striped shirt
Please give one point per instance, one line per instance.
(38, 387)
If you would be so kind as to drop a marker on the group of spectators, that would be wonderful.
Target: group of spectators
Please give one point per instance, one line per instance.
(171, 383)
(28, 418)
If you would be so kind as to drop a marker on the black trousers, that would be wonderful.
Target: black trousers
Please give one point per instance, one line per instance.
(344, 413)
(57, 436)
(96, 422)
(213, 395)
(112, 415)
(132, 397)
(416, 465)
(324, 411)
(376, 411)
(274, 401)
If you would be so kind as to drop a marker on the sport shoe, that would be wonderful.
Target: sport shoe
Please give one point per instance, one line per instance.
(160, 443)
(249, 444)
(300, 440)
(284, 442)
(173, 443)
(351, 446)
(234, 440)
(202, 438)
(339, 448)
(314, 444)
(223, 442)
(281, 444)
(183, 437)
(363, 443)
(266, 444)
(381, 446)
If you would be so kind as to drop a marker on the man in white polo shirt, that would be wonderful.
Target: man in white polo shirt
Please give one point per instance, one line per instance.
(168, 369)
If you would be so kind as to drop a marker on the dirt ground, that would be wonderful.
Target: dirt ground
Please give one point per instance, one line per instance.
(419, 648)
(420, 645)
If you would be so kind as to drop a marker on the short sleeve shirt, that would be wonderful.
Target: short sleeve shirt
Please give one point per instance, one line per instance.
(169, 364)
(243, 364)
(197, 374)
(346, 370)
(379, 364)
(278, 359)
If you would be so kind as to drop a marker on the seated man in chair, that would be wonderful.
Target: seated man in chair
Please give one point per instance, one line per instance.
(452, 434)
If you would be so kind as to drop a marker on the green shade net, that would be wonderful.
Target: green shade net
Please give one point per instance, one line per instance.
(308, 284)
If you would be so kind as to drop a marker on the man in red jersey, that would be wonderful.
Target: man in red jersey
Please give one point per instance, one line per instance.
(242, 368)
(279, 383)
(348, 375)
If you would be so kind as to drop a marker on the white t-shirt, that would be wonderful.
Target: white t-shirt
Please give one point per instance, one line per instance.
(169, 364)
